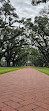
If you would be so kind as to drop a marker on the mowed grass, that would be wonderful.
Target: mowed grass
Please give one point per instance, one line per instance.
(42, 69)
(9, 69)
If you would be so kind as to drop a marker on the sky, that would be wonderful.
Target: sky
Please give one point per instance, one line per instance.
(25, 9)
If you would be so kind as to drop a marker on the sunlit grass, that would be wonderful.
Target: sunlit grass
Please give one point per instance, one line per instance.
(42, 69)
(9, 69)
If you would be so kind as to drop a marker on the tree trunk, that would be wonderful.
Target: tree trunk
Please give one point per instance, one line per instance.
(0, 63)
(8, 63)
(13, 63)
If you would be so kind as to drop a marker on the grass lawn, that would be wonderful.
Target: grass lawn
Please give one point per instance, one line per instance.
(9, 69)
(42, 69)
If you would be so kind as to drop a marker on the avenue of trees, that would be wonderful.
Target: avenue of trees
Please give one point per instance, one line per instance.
(21, 40)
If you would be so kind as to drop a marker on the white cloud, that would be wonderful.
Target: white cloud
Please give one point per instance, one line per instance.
(25, 9)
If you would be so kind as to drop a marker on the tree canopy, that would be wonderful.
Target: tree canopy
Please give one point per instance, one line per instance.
(11, 40)
(36, 2)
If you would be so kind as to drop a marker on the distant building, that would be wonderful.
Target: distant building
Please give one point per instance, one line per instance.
(29, 63)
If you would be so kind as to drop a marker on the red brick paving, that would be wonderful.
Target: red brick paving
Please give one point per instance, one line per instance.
(24, 90)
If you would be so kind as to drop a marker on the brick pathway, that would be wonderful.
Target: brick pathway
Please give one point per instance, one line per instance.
(24, 90)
